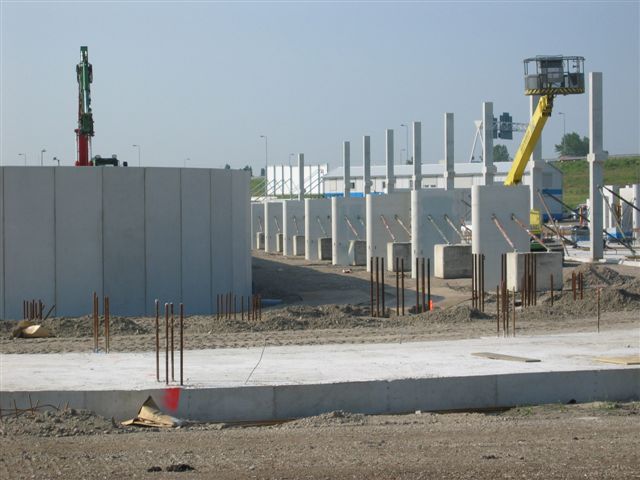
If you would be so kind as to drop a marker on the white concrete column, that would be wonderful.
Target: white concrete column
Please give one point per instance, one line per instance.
(417, 156)
(391, 179)
(488, 168)
(449, 171)
(282, 178)
(366, 164)
(301, 176)
(346, 169)
(596, 159)
(536, 164)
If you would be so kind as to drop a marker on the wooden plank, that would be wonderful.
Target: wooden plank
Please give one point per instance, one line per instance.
(499, 356)
(625, 360)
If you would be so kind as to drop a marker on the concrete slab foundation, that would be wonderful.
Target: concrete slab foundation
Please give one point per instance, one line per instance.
(357, 252)
(347, 224)
(296, 381)
(547, 264)
(401, 251)
(452, 261)
(298, 245)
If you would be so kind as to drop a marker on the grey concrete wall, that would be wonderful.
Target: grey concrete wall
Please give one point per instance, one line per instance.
(133, 234)
(501, 201)
(398, 203)
(437, 203)
(315, 208)
(280, 402)
(257, 222)
(292, 217)
(341, 233)
(547, 264)
(272, 224)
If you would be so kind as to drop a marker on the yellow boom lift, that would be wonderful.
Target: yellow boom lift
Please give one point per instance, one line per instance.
(546, 76)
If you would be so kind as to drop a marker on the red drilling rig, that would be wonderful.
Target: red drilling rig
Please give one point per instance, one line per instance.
(84, 132)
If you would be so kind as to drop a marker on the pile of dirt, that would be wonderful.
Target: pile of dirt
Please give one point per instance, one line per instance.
(330, 419)
(602, 276)
(455, 314)
(66, 422)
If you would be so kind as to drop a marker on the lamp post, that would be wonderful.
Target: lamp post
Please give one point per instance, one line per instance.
(56, 159)
(266, 163)
(564, 125)
(42, 157)
(25, 158)
(406, 126)
(139, 148)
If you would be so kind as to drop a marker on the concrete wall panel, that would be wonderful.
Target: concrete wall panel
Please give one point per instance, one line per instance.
(293, 223)
(501, 201)
(341, 233)
(398, 203)
(257, 222)
(196, 240)
(29, 240)
(436, 203)
(221, 217)
(163, 236)
(317, 224)
(124, 239)
(78, 238)
(240, 232)
(272, 224)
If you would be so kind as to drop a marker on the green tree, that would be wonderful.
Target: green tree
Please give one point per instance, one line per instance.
(573, 146)
(500, 153)
(247, 168)
(227, 167)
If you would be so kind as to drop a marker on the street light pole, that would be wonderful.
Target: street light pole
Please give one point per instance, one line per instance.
(406, 126)
(42, 157)
(266, 163)
(139, 148)
(56, 159)
(25, 158)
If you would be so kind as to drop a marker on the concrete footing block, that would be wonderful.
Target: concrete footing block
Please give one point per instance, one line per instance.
(547, 264)
(401, 250)
(324, 248)
(452, 261)
(280, 242)
(260, 240)
(357, 252)
(298, 245)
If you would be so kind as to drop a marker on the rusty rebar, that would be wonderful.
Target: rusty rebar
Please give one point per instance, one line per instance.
(473, 280)
(482, 282)
(551, 280)
(581, 285)
(424, 286)
(497, 310)
(157, 340)
(417, 286)
(514, 311)
(598, 302)
(107, 319)
(96, 321)
(181, 343)
(573, 285)
(397, 264)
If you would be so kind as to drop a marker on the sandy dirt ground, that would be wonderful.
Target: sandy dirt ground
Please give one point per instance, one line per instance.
(592, 441)
(324, 304)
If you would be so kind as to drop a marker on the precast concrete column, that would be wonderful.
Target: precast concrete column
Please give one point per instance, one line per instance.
(391, 179)
(301, 176)
(366, 164)
(488, 168)
(282, 178)
(449, 171)
(596, 159)
(417, 156)
(536, 164)
(346, 169)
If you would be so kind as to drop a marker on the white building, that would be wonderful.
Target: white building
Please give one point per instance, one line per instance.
(467, 175)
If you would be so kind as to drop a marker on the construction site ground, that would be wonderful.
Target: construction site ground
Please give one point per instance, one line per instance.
(324, 304)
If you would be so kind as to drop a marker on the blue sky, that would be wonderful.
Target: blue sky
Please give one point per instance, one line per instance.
(204, 80)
